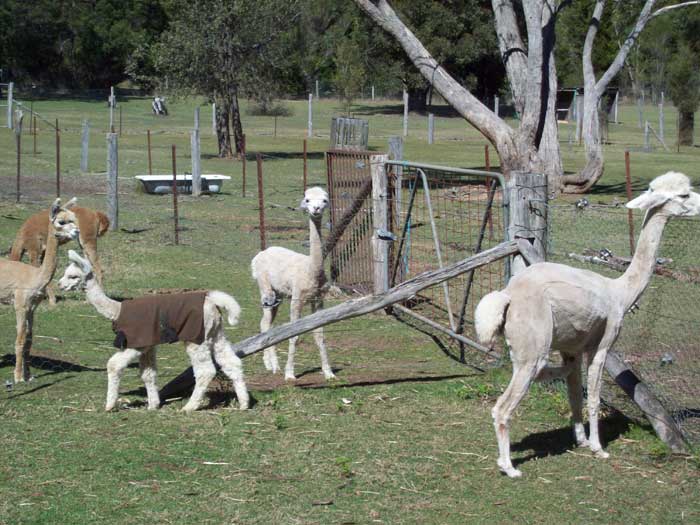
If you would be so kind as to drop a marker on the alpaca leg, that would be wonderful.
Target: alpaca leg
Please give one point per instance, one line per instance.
(595, 376)
(269, 354)
(294, 314)
(575, 391)
(204, 372)
(21, 372)
(115, 368)
(523, 375)
(147, 364)
(90, 250)
(320, 343)
(51, 294)
(232, 366)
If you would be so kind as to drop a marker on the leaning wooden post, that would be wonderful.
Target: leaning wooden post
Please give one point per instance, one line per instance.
(18, 141)
(148, 139)
(58, 161)
(84, 144)
(112, 181)
(175, 214)
(380, 223)
(306, 166)
(527, 208)
(194, 147)
(261, 202)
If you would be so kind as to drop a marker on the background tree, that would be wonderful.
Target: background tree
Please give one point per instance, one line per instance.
(225, 49)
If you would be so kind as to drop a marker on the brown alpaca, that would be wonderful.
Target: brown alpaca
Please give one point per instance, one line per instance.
(31, 238)
(26, 284)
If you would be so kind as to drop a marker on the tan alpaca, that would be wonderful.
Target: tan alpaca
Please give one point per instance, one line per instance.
(26, 284)
(31, 238)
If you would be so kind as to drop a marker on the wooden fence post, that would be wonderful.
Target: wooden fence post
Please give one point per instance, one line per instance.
(628, 184)
(148, 139)
(175, 211)
(310, 130)
(111, 109)
(84, 144)
(380, 223)
(34, 135)
(405, 113)
(527, 209)
(195, 150)
(306, 168)
(10, 93)
(261, 201)
(112, 181)
(243, 168)
(431, 128)
(18, 140)
(495, 105)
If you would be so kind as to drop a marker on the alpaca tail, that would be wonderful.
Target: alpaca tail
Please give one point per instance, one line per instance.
(490, 316)
(228, 303)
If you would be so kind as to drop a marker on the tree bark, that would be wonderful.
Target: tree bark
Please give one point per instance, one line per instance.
(686, 126)
(223, 134)
(235, 113)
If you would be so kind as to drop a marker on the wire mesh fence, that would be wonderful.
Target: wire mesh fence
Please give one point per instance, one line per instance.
(660, 338)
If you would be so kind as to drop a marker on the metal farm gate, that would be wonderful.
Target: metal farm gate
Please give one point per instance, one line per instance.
(435, 216)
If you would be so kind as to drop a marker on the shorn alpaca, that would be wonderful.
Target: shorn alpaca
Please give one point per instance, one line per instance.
(31, 238)
(192, 318)
(576, 312)
(26, 284)
(285, 273)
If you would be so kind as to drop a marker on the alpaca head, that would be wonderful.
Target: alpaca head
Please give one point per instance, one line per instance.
(670, 193)
(77, 273)
(63, 221)
(315, 201)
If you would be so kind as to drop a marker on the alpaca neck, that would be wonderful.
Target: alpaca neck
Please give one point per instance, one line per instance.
(316, 246)
(105, 306)
(48, 265)
(637, 276)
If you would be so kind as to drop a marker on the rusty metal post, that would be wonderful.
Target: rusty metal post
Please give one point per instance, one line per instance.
(305, 166)
(628, 184)
(58, 161)
(175, 216)
(148, 139)
(261, 201)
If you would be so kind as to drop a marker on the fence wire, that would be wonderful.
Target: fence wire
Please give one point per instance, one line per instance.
(660, 340)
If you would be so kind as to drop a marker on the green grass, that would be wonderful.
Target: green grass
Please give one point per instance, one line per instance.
(404, 435)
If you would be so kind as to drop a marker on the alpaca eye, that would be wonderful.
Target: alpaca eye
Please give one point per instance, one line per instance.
(684, 196)
(61, 223)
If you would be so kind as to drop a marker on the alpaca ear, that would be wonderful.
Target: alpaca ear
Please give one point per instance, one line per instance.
(648, 200)
(55, 208)
(68, 205)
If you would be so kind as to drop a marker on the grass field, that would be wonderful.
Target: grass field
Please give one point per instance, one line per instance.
(403, 436)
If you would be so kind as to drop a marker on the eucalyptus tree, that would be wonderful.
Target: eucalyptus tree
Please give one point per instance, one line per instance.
(595, 87)
(225, 49)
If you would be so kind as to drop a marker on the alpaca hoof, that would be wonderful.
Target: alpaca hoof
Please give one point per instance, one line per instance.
(329, 376)
(509, 470)
(188, 409)
(110, 408)
(600, 453)
(289, 376)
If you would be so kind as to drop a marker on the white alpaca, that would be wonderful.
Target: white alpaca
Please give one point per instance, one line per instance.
(576, 312)
(79, 275)
(285, 273)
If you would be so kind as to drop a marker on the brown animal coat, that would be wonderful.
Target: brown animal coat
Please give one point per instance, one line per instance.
(155, 319)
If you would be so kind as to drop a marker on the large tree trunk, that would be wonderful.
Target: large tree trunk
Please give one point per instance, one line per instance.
(223, 135)
(236, 125)
(686, 125)
(517, 150)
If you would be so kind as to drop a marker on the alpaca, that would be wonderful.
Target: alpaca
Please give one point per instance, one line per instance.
(31, 238)
(195, 319)
(285, 273)
(576, 312)
(27, 284)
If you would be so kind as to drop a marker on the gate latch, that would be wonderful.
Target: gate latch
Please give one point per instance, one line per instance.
(385, 235)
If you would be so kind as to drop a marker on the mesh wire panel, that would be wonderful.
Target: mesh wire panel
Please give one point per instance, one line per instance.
(450, 219)
(660, 340)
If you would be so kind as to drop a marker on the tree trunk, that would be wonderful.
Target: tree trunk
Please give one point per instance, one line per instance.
(686, 126)
(590, 133)
(236, 125)
(417, 98)
(223, 135)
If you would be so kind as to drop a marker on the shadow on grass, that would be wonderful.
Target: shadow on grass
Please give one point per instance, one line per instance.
(619, 188)
(49, 364)
(561, 440)
(24, 392)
